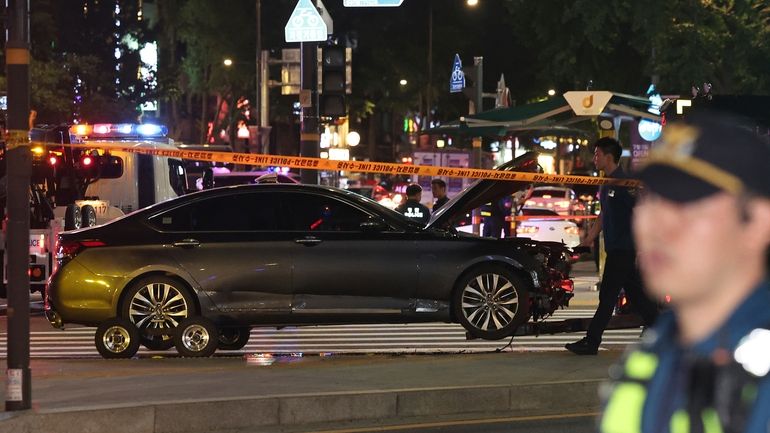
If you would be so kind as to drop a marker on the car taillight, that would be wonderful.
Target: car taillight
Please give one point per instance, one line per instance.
(526, 230)
(568, 285)
(69, 249)
(572, 230)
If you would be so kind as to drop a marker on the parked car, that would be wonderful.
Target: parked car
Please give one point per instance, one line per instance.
(547, 225)
(199, 271)
(561, 200)
(224, 177)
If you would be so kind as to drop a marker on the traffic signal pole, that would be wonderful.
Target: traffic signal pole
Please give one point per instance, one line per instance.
(19, 165)
(309, 133)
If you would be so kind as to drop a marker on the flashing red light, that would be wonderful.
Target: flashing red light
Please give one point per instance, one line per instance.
(668, 298)
(87, 161)
(53, 160)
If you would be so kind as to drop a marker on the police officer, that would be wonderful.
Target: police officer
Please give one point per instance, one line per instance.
(702, 228)
(412, 207)
(620, 271)
(438, 189)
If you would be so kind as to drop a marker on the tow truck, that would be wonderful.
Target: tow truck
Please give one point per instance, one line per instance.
(73, 187)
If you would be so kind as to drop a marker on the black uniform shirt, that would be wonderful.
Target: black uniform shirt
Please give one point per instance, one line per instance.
(617, 205)
(414, 210)
(440, 202)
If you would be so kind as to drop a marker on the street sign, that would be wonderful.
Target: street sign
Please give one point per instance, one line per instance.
(457, 81)
(305, 24)
(371, 3)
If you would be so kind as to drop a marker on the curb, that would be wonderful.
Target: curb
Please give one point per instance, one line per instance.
(292, 411)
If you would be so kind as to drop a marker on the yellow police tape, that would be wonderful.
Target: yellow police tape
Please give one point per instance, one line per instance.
(302, 162)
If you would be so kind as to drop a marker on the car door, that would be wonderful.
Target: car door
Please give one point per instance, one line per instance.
(231, 245)
(340, 267)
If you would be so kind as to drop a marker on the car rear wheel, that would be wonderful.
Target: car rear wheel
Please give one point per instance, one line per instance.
(156, 305)
(196, 336)
(117, 338)
(233, 338)
(491, 302)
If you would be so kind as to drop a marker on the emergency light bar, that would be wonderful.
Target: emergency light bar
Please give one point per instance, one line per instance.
(119, 130)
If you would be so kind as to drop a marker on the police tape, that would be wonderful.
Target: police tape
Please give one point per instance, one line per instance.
(303, 162)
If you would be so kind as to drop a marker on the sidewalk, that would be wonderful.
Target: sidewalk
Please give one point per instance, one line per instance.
(171, 395)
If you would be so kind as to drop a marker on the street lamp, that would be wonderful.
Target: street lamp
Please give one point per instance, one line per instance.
(429, 90)
(551, 92)
(403, 82)
(228, 62)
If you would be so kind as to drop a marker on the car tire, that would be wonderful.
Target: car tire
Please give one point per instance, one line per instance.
(73, 219)
(196, 337)
(157, 342)
(87, 216)
(117, 338)
(234, 338)
(490, 302)
(174, 303)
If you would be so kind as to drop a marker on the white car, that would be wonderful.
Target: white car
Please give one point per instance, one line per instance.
(559, 199)
(547, 225)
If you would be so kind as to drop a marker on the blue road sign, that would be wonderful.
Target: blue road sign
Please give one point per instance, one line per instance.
(457, 81)
(305, 24)
(371, 3)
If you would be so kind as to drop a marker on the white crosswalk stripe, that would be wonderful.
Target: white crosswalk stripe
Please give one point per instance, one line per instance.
(341, 339)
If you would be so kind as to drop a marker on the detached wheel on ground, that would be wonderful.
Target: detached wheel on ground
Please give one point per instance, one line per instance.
(491, 302)
(88, 216)
(117, 338)
(196, 336)
(157, 304)
(233, 338)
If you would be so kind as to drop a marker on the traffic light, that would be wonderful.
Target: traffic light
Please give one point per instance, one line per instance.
(474, 76)
(333, 84)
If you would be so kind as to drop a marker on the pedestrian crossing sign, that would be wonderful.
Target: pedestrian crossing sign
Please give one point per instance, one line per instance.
(305, 24)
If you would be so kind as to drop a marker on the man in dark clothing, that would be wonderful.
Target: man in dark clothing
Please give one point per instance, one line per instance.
(620, 271)
(438, 189)
(412, 207)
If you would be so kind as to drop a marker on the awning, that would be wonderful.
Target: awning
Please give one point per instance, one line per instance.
(552, 113)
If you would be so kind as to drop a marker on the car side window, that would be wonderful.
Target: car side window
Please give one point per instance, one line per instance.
(237, 212)
(322, 214)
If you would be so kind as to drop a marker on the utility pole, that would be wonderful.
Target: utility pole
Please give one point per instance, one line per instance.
(19, 165)
(429, 90)
(258, 94)
(309, 135)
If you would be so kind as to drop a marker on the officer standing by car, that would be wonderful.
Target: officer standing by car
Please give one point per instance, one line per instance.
(702, 229)
(412, 207)
(620, 271)
(438, 189)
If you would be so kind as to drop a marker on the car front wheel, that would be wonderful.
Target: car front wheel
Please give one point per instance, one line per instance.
(156, 305)
(491, 302)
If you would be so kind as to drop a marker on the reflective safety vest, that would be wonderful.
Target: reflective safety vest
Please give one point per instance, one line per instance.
(721, 391)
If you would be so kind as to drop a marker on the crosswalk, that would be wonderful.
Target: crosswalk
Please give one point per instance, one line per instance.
(342, 339)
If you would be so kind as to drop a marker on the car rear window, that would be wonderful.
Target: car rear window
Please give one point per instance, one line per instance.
(551, 192)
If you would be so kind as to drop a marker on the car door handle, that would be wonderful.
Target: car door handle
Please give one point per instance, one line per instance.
(308, 241)
(187, 243)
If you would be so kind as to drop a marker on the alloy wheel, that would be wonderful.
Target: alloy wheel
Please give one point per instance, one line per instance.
(195, 338)
(158, 306)
(116, 339)
(490, 302)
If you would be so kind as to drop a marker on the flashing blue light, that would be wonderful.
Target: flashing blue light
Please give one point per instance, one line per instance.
(148, 129)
